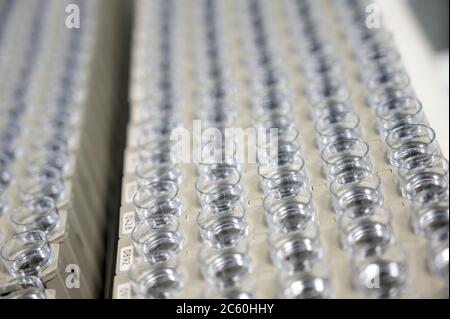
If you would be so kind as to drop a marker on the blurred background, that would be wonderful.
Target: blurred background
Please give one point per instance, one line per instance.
(432, 16)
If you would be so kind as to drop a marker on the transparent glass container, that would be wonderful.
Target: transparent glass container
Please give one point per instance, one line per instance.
(38, 213)
(157, 238)
(157, 198)
(345, 155)
(289, 213)
(409, 140)
(28, 287)
(297, 250)
(155, 281)
(313, 283)
(424, 178)
(222, 229)
(335, 126)
(225, 267)
(381, 276)
(367, 235)
(27, 253)
(220, 188)
(431, 220)
(394, 113)
(285, 179)
(356, 193)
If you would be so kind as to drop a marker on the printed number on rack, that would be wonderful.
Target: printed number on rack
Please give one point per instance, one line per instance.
(126, 258)
(128, 222)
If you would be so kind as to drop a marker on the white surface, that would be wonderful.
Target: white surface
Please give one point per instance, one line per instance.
(421, 63)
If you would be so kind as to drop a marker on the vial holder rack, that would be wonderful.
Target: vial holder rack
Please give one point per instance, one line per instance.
(354, 204)
(54, 135)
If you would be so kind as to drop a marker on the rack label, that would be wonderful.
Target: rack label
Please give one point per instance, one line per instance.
(128, 221)
(124, 291)
(126, 258)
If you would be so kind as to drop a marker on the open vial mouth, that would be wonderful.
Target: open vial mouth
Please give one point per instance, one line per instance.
(409, 140)
(38, 213)
(220, 188)
(395, 113)
(368, 235)
(229, 268)
(345, 155)
(27, 253)
(155, 281)
(157, 198)
(288, 214)
(431, 222)
(356, 193)
(28, 287)
(283, 180)
(148, 172)
(335, 127)
(328, 107)
(225, 267)
(223, 229)
(424, 178)
(157, 238)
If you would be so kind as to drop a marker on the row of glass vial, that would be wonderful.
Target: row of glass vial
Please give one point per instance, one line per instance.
(411, 143)
(156, 237)
(293, 234)
(37, 170)
(364, 225)
(224, 257)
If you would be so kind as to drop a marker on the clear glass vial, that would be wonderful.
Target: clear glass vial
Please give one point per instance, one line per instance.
(220, 188)
(431, 220)
(356, 193)
(409, 140)
(424, 178)
(313, 283)
(157, 198)
(335, 126)
(157, 237)
(345, 155)
(224, 228)
(394, 113)
(225, 267)
(283, 180)
(155, 281)
(38, 213)
(381, 276)
(27, 253)
(287, 214)
(367, 235)
(297, 250)
(28, 287)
